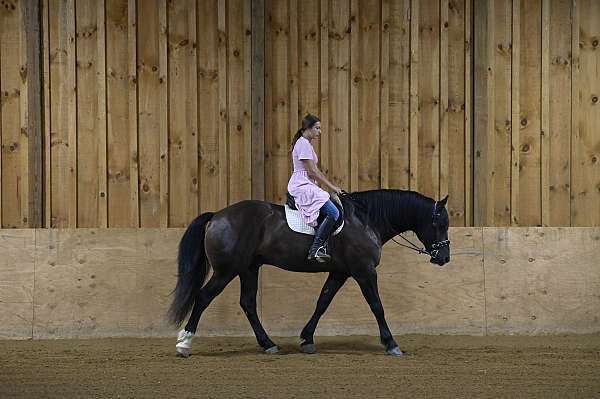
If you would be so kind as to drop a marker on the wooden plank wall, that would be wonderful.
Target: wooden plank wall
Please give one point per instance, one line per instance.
(78, 283)
(536, 115)
(148, 107)
(151, 115)
(392, 94)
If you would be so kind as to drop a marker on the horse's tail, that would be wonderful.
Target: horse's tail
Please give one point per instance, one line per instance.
(192, 270)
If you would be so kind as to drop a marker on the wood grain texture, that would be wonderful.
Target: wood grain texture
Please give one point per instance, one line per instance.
(17, 271)
(530, 73)
(399, 130)
(183, 106)
(209, 79)
(117, 282)
(12, 113)
(559, 114)
(63, 127)
(88, 115)
(586, 139)
(240, 101)
(78, 283)
(149, 113)
(531, 287)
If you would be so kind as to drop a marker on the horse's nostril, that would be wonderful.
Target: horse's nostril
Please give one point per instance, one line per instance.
(447, 259)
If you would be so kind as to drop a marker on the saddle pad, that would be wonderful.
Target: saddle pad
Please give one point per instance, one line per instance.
(297, 224)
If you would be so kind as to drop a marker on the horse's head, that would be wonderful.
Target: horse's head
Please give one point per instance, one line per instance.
(433, 233)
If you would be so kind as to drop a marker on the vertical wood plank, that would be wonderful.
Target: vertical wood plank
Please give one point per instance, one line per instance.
(339, 93)
(468, 138)
(118, 114)
(530, 90)
(559, 114)
(429, 98)
(31, 11)
(63, 131)
(149, 115)
(292, 62)
(209, 76)
(163, 70)
(47, 126)
(87, 114)
(12, 101)
(516, 114)
(323, 42)
(444, 162)
(223, 168)
(499, 152)
(102, 129)
(183, 138)
(277, 100)
(239, 99)
(575, 107)
(23, 137)
(258, 99)
(480, 110)
(355, 77)
(415, 59)
(308, 68)
(384, 99)
(399, 83)
(1, 119)
(586, 170)
(545, 117)
(134, 216)
(365, 93)
(457, 141)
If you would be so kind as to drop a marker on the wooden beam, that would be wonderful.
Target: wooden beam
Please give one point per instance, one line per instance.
(33, 38)
(258, 99)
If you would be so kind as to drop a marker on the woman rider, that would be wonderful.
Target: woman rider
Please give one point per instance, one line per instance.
(313, 202)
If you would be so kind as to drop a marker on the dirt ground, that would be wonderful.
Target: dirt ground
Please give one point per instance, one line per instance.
(344, 367)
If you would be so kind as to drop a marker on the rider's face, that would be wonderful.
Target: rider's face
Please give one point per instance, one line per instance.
(315, 131)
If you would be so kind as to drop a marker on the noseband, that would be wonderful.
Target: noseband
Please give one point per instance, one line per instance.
(435, 248)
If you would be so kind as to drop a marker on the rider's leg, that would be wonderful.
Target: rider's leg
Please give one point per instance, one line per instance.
(323, 231)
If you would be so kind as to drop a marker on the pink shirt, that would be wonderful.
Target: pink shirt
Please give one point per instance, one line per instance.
(309, 197)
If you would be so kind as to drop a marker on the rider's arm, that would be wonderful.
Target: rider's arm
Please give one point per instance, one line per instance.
(315, 173)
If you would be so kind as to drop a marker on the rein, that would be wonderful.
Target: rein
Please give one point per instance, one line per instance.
(434, 248)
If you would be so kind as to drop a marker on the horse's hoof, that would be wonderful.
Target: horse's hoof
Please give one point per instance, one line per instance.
(272, 350)
(183, 352)
(395, 352)
(308, 348)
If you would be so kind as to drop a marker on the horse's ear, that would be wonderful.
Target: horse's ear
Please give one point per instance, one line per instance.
(443, 202)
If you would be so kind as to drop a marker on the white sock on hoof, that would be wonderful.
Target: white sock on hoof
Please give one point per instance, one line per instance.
(184, 342)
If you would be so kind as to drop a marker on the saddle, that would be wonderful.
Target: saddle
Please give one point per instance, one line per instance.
(296, 222)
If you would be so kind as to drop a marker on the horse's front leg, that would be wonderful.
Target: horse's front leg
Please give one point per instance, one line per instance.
(367, 281)
(330, 288)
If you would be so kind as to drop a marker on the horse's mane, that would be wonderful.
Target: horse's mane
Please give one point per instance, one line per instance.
(393, 210)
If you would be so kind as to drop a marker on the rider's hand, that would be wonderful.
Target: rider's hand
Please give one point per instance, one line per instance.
(337, 190)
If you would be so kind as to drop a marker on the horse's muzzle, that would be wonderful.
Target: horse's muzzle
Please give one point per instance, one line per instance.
(440, 260)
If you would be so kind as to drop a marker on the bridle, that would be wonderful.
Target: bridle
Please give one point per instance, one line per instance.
(435, 247)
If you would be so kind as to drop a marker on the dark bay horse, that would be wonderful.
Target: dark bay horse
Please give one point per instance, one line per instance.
(237, 240)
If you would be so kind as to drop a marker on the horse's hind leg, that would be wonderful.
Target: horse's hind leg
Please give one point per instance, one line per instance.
(330, 288)
(213, 287)
(249, 287)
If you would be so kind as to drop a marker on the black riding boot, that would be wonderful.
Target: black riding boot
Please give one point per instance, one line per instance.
(317, 250)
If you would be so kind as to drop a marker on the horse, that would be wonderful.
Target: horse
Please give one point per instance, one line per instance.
(237, 240)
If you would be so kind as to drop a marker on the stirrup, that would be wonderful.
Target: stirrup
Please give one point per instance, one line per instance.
(320, 255)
